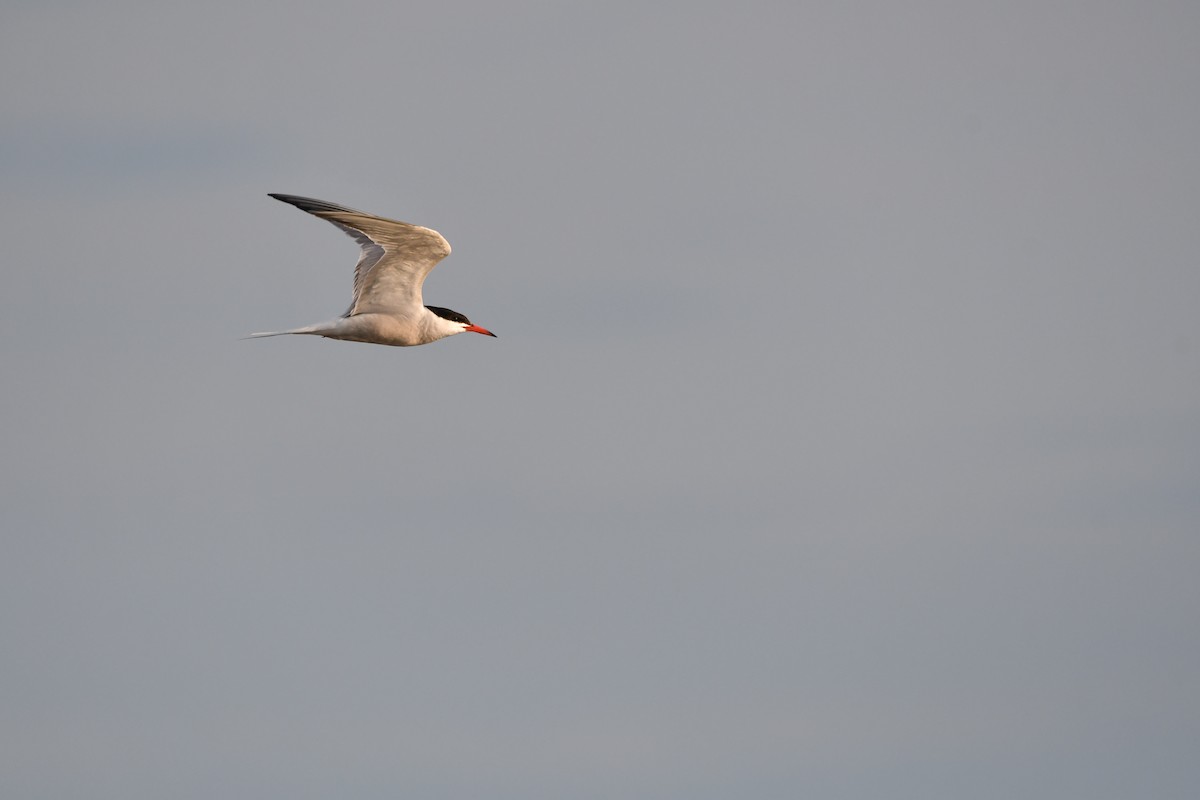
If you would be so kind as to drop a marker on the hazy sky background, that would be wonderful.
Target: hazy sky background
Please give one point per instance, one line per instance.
(841, 438)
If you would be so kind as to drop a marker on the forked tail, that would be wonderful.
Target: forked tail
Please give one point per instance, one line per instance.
(317, 329)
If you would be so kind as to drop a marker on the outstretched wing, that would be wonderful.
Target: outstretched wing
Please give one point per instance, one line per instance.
(395, 256)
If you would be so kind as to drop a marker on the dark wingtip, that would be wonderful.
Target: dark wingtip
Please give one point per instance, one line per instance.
(311, 204)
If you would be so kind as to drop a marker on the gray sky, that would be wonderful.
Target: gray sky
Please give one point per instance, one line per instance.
(841, 439)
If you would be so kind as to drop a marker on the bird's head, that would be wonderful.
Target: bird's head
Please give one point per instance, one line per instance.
(458, 319)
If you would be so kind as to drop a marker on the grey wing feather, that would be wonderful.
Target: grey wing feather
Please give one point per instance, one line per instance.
(395, 257)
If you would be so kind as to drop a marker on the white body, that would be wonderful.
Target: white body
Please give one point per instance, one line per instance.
(420, 327)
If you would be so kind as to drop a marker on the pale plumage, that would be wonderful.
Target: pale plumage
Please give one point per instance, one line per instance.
(387, 307)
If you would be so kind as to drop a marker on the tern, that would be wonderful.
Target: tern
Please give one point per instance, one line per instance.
(387, 307)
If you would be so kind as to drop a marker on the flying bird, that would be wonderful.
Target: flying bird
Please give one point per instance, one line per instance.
(387, 307)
